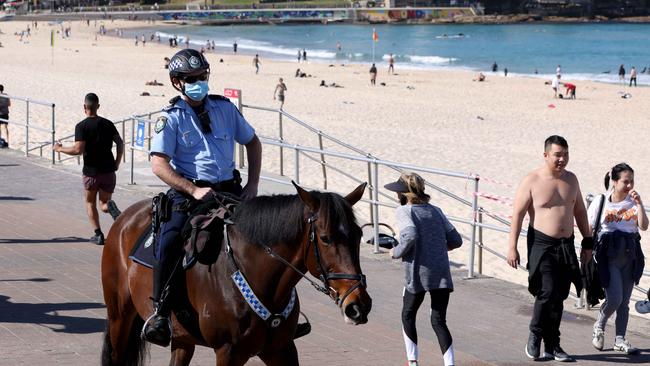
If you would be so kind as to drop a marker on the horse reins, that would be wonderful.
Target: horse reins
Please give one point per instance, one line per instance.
(325, 276)
(227, 201)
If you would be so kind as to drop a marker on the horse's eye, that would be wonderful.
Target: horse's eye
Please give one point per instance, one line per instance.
(325, 239)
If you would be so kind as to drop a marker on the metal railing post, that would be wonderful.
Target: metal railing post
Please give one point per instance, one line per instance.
(470, 262)
(322, 160)
(149, 137)
(132, 152)
(124, 137)
(53, 130)
(296, 173)
(370, 190)
(375, 205)
(27, 127)
(241, 147)
(480, 242)
(281, 148)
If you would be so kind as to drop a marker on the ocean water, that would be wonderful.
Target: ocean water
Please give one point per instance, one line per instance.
(585, 51)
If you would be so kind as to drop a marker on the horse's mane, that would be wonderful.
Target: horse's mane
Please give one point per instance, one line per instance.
(277, 219)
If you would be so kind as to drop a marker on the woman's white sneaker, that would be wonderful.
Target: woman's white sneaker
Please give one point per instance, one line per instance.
(598, 339)
(623, 345)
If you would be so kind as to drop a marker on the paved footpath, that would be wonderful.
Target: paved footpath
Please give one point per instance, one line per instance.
(52, 310)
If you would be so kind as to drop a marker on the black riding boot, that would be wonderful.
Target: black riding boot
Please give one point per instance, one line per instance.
(158, 328)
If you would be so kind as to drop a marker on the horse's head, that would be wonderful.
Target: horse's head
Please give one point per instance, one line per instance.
(332, 250)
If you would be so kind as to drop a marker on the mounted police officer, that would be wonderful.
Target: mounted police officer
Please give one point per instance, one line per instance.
(192, 152)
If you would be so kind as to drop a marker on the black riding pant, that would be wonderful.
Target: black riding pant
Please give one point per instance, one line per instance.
(549, 302)
(411, 304)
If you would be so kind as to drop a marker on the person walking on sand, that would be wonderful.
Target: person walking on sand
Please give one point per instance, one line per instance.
(555, 85)
(621, 74)
(373, 75)
(619, 258)
(234, 47)
(279, 91)
(257, 63)
(391, 64)
(304, 55)
(299, 56)
(551, 197)
(426, 236)
(94, 138)
(633, 76)
(5, 103)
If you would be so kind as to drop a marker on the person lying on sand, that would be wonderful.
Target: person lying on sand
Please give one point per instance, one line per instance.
(154, 83)
(479, 77)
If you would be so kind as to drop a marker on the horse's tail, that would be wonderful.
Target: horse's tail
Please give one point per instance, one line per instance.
(136, 349)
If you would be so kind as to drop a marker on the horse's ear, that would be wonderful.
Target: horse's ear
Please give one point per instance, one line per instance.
(356, 195)
(306, 197)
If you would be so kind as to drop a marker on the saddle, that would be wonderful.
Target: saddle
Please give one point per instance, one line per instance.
(202, 234)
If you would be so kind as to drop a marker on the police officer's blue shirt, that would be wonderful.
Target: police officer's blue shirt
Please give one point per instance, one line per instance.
(193, 154)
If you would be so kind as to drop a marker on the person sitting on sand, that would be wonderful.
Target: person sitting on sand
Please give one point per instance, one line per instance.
(166, 62)
(479, 77)
(154, 83)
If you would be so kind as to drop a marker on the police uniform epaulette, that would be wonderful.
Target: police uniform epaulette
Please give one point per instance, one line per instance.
(218, 97)
(172, 102)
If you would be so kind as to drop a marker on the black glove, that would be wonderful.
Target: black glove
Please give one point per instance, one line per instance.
(588, 243)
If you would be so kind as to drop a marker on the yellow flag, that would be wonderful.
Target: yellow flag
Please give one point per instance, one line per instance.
(52, 38)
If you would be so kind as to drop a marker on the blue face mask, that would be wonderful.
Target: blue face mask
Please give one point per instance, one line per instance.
(197, 91)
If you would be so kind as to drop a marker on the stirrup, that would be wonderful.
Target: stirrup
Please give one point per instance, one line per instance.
(149, 319)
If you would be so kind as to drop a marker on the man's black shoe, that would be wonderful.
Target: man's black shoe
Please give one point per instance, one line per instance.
(97, 239)
(113, 210)
(533, 346)
(158, 330)
(557, 353)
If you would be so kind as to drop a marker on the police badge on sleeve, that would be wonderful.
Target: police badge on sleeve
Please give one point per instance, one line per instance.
(161, 122)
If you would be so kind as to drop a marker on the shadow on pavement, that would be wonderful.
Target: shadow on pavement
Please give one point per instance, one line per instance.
(68, 239)
(616, 357)
(47, 315)
(15, 198)
(35, 279)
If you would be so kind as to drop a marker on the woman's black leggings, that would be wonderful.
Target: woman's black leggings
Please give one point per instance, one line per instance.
(439, 302)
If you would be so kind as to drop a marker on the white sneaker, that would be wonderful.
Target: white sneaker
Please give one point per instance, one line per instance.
(623, 345)
(643, 307)
(598, 339)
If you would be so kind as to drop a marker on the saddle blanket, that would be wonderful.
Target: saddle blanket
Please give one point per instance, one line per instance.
(143, 254)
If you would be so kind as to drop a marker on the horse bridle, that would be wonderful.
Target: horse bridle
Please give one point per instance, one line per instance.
(325, 276)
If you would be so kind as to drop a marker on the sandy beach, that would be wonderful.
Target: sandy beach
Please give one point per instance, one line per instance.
(436, 119)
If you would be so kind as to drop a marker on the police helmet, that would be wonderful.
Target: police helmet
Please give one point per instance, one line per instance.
(187, 62)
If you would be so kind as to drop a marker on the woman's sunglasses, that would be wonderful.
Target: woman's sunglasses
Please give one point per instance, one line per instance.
(194, 78)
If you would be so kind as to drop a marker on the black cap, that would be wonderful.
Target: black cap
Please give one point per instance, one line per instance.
(188, 62)
(398, 186)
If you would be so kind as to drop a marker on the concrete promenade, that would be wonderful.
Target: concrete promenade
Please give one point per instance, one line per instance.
(52, 310)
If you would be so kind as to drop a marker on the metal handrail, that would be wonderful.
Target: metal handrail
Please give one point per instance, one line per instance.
(28, 126)
(374, 163)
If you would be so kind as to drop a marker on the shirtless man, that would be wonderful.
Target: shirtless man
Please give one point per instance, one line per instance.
(279, 91)
(551, 196)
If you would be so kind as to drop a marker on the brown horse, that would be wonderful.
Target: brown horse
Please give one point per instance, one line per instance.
(273, 242)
